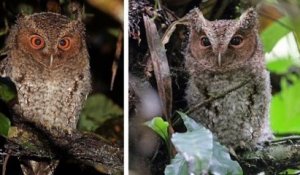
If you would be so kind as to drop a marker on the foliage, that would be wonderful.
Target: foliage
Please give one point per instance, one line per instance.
(281, 65)
(6, 93)
(98, 108)
(271, 35)
(160, 127)
(198, 151)
(285, 111)
(4, 125)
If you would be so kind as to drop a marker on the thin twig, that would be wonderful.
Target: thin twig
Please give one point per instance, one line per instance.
(285, 139)
(5, 164)
(116, 60)
(287, 134)
(209, 100)
(171, 29)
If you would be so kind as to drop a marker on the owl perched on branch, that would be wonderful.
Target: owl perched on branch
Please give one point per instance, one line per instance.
(47, 60)
(226, 64)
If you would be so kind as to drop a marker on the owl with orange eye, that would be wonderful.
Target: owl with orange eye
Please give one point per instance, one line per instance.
(48, 62)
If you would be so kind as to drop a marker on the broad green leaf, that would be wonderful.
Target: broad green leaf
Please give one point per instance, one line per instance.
(221, 162)
(199, 153)
(285, 111)
(189, 123)
(98, 109)
(6, 93)
(4, 125)
(271, 35)
(178, 166)
(280, 65)
(196, 147)
(196, 144)
(160, 127)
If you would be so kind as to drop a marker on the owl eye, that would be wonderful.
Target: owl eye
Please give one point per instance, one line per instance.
(236, 40)
(36, 42)
(64, 43)
(205, 41)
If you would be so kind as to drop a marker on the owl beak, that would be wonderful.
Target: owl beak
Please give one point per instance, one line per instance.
(219, 59)
(51, 61)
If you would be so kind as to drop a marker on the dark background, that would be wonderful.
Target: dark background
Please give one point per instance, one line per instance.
(101, 43)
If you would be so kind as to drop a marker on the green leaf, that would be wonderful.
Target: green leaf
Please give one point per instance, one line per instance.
(6, 93)
(196, 147)
(199, 153)
(285, 111)
(4, 125)
(221, 162)
(189, 123)
(98, 109)
(280, 65)
(178, 166)
(271, 35)
(196, 144)
(160, 127)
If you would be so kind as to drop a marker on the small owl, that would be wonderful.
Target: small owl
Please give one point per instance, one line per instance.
(48, 62)
(220, 56)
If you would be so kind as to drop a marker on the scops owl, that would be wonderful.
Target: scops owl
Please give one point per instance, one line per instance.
(48, 62)
(220, 56)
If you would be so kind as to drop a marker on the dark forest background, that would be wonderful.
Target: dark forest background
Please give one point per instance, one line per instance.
(103, 112)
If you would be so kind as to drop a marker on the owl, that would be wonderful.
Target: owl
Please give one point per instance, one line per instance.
(222, 55)
(48, 62)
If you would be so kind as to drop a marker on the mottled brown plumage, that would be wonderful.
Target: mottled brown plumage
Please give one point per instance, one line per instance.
(220, 56)
(49, 64)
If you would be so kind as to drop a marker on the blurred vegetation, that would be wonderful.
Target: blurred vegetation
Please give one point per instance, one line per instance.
(285, 111)
(103, 112)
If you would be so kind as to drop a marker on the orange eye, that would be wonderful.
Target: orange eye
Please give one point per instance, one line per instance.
(64, 43)
(36, 42)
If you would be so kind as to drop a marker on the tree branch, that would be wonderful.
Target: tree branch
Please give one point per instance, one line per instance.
(274, 157)
(28, 142)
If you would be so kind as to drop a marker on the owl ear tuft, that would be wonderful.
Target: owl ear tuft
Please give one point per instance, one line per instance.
(197, 19)
(248, 19)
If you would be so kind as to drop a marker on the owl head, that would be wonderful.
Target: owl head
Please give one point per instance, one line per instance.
(223, 44)
(48, 39)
